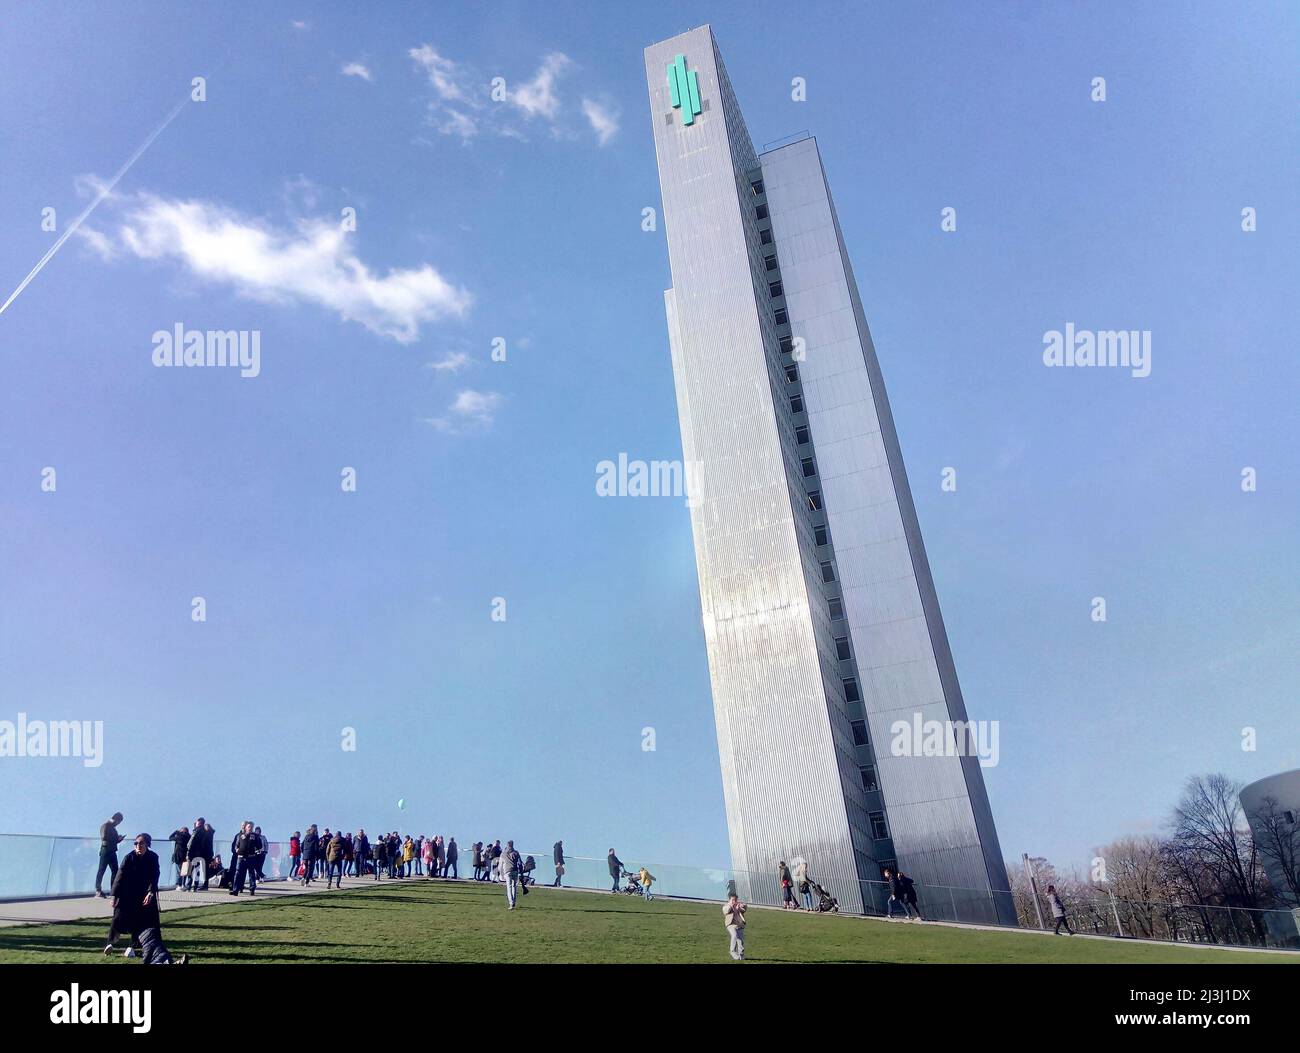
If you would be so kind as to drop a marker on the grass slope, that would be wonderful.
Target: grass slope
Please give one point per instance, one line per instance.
(420, 921)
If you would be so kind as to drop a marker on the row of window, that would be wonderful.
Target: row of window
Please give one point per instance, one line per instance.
(843, 649)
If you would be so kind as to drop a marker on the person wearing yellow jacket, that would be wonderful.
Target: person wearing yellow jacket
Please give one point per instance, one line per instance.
(647, 879)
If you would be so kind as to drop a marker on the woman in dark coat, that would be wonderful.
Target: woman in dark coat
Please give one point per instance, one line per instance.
(135, 893)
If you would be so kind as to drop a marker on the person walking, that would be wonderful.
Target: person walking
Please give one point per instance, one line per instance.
(310, 846)
(427, 853)
(135, 892)
(109, 839)
(733, 917)
(509, 867)
(908, 887)
(180, 839)
(440, 856)
(1058, 911)
(787, 887)
(295, 854)
(248, 843)
(615, 868)
(334, 862)
(408, 857)
(361, 848)
(801, 880)
(557, 855)
(477, 859)
(647, 879)
(895, 893)
(199, 856)
(259, 860)
(494, 861)
(381, 856)
(450, 870)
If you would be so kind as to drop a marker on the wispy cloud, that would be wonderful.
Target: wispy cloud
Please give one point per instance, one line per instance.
(471, 410)
(602, 118)
(451, 362)
(444, 74)
(461, 105)
(356, 69)
(537, 97)
(310, 262)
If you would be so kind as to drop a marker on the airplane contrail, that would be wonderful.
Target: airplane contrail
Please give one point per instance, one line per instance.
(104, 191)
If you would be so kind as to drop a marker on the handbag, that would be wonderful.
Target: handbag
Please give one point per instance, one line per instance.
(560, 870)
(185, 869)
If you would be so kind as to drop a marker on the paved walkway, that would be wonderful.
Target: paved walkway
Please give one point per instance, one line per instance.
(73, 908)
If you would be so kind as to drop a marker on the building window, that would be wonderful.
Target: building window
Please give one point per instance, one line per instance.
(760, 212)
(796, 403)
(837, 608)
(756, 186)
(801, 434)
(787, 345)
(821, 536)
(765, 236)
(869, 779)
(851, 692)
(781, 317)
(792, 374)
(860, 733)
(828, 572)
(776, 289)
(879, 831)
(809, 468)
(842, 650)
(815, 500)
(769, 262)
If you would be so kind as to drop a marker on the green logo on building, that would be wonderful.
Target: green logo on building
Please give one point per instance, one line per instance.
(684, 86)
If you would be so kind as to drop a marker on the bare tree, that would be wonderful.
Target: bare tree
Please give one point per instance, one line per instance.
(1277, 838)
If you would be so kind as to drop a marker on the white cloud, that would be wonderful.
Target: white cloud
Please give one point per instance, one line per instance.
(537, 97)
(453, 122)
(451, 362)
(299, 24)
(443, 73)
(470, 409)
(603, 120)
(98, 242)
(355, 69)
(311, 262)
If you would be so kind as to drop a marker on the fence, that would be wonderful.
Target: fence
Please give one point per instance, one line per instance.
(33, 866)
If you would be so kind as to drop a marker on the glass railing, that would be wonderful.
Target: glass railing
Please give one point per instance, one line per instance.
(37, 867)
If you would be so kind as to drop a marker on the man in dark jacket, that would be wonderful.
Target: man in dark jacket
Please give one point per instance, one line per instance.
(557, 856)
(310, 850)
(453, 854)
(361, 848)
(180, 839)
(245, 849)
(199, 855)
(135, 893)
(109, 839)
(615, 868)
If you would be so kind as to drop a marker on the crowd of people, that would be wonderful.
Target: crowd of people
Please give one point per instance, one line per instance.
(393, 855)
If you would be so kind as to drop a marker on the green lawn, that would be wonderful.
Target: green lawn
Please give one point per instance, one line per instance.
(420, 921)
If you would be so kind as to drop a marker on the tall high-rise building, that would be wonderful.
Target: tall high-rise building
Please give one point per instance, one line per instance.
(820, 615)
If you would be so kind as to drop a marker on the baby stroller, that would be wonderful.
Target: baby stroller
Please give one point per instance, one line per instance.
(526, 873)
(825, 901)
(633, 886)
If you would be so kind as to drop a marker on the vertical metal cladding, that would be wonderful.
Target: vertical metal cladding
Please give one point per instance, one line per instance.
(790, 770)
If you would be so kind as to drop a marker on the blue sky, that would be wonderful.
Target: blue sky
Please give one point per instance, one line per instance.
(521, 220)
